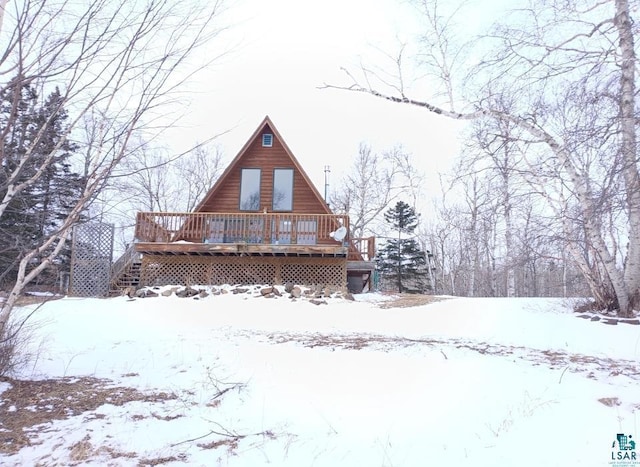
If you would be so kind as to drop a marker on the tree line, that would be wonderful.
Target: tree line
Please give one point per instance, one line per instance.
(83, 87)
(485, 235)
(545, 199)
(551, 93)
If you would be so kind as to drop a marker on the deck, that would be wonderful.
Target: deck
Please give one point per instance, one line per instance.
(245, 248)
(240, 234)
(240, 249)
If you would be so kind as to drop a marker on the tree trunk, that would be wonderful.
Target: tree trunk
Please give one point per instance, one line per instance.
(508, 229)
(630, 171)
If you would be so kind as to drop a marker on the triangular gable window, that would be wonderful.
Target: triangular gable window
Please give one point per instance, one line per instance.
(267, 140)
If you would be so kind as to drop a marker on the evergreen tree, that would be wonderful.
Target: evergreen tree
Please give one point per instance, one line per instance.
(401, 260)
(38, 210)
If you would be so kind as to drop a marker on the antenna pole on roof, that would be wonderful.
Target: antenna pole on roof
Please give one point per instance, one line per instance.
(327, 170)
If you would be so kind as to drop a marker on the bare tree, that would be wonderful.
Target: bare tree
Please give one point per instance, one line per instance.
(569, 68)
(491, 149)
(411, 179)
(452, 258)
(372, 183)
(368, 188)
(153, 179)
(147, 184)
(197, 172)
(440, 49)
(118, 65)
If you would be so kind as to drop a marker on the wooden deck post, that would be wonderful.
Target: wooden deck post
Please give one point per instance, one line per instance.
(278, 273)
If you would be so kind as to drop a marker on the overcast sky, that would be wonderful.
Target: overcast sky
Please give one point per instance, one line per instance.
(287, 49)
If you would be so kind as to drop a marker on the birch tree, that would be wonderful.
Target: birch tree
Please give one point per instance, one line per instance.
(119, 66)
(371, 184)
(492, 151)
(569, 67)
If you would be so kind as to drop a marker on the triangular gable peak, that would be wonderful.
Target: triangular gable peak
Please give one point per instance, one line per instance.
(264, 161)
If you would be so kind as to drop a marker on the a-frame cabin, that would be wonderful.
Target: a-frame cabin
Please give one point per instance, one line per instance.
(263, 222)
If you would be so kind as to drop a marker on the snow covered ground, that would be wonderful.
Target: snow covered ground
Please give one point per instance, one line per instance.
(243, 380)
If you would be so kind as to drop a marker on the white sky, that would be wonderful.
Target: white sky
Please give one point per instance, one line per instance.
(287, 49)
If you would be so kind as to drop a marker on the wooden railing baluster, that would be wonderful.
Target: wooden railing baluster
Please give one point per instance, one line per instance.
(266, 228)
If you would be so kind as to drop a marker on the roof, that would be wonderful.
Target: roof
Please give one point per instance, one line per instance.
(266, 122)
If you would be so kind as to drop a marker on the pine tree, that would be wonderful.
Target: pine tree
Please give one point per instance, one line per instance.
(16, 225)
(401, 260)
(37, 210)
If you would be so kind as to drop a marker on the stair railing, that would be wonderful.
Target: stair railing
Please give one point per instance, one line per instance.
(122, 263)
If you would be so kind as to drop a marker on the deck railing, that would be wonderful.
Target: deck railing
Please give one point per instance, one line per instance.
(257, 228)
(201, 227)
(365, 246)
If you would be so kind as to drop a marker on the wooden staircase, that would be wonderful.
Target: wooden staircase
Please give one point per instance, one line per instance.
(125, 271)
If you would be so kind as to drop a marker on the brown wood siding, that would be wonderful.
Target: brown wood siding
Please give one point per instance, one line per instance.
(227, 195)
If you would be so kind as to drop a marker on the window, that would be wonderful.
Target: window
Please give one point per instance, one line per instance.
(250, 189)
(283, 189)
(267, 140)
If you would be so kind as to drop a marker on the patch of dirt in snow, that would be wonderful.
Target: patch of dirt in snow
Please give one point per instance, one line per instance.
(405, 300)
(592, 367)
(28, 404)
